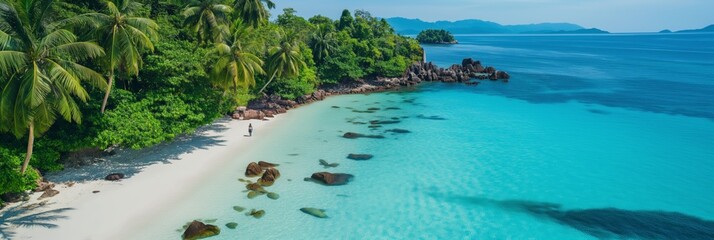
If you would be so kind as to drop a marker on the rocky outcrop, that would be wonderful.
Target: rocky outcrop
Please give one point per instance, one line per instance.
(198, 230)
(253, 170)
(332, 178)
(114, 177)
(468, 71)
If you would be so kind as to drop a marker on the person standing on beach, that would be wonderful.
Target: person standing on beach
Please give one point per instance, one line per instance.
(250, 129)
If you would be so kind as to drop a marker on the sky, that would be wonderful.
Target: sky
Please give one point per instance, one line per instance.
(609, 15)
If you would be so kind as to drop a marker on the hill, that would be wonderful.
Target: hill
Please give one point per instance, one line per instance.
(475, 26)
(709, 28)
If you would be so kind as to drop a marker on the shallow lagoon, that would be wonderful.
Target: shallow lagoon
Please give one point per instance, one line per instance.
(554, 154)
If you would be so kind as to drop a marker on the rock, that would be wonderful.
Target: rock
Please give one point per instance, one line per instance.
(397, 130)
(48, 194)
(254, 194)
(351, 135)
(269, 177)
(332, 178)
(256, 214)
(273, 195)
(95, 191)
(198, 230)
(320, 213)
(253, 170)
(114, 177)
(43, 185)
(502, 75)
(255, 187)
(238, 208)
(267, 164)
(360, 157)
(232, 225)
(328, 165)
(252, 114)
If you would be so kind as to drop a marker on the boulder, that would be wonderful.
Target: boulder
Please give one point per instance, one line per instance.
(252, 114)
(360, 157)
(319, 213)
(114, 177)
(269, 177)
(332, 178)
(502, 75)
(198, 230)
(253, 170)
(263, 164)
(43, 185)
(48, 194)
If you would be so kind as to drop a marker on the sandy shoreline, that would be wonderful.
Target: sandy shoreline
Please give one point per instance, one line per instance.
(157, 177)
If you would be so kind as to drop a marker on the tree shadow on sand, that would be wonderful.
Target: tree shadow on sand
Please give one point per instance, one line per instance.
(130, 162)
(18, 216)
(609, 223)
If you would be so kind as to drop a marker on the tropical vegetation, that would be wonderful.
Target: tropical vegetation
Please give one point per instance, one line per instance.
(78, 75)
(434, 36)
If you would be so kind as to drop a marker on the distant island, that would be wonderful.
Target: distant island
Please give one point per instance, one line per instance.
(579, 31)
(706, 29)
(475, 26)
(434, 36)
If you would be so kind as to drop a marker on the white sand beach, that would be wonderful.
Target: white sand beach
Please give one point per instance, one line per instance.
(156, 177)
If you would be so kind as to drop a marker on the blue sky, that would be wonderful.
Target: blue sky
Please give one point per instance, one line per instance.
(611, 15)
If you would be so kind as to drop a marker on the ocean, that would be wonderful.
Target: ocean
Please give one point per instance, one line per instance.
(594, 137)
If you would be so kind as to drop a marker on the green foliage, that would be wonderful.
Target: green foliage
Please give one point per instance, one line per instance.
(435, 36)
(11, 180)
(182, 85)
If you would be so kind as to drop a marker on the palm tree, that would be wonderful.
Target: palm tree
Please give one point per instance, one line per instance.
(322, 42)
(234, 67)
(285, 61)
(208, 19)
(124, 37)
(40, 71)
(253, 12)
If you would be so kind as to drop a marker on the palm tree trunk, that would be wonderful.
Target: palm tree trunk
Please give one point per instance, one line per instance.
(109, 90)
(30, 144)
(266, 84)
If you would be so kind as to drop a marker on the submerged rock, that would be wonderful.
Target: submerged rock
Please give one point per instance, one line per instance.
(114, 177)
(198, 230)
(320, 213)
(238, 208)
(256, 213)
(382, 122)
(328, 165)
(253, 170)
(273, 195)
(255, 187)
(332, 178)
(254, 194)
(352, 135)
(397, 130)
(232, 225)
(360, 157)
(263, 164)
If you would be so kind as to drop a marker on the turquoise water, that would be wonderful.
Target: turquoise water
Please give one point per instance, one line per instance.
(594, 137)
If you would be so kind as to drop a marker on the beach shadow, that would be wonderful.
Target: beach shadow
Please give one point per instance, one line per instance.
(130, 162)
(609, 223)
(19, 216)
